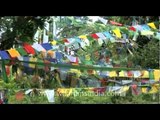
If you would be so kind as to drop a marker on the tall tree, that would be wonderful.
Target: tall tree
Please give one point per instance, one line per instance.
(21, 28)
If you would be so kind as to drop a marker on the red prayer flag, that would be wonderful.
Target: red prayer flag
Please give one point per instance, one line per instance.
(132, 28)
(76, 60)
(129, 73)
(65, 40)
(115, 23)
(95, 36)
(28, 48)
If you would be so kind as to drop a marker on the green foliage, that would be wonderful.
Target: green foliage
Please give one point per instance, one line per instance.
(148, 55)
(21, 28)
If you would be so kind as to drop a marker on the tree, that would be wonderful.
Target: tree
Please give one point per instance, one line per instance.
(148, 56)
(21, 28)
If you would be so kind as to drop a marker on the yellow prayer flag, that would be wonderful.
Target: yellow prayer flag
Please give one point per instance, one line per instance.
(145, 74)
(156, 75)
(121, 74)
(87, 57)
(117, 32)
(112, 74)
(32, 59)
(83, 36)
(125, 88)
(154, 89)
(65, 91)
(54, 42)
(14, 53)
(152, 25)
(144, 90)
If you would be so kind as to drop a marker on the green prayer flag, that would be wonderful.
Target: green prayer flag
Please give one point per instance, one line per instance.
(151, 75)
(21, 51)
(40, 65)
(89, 38)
